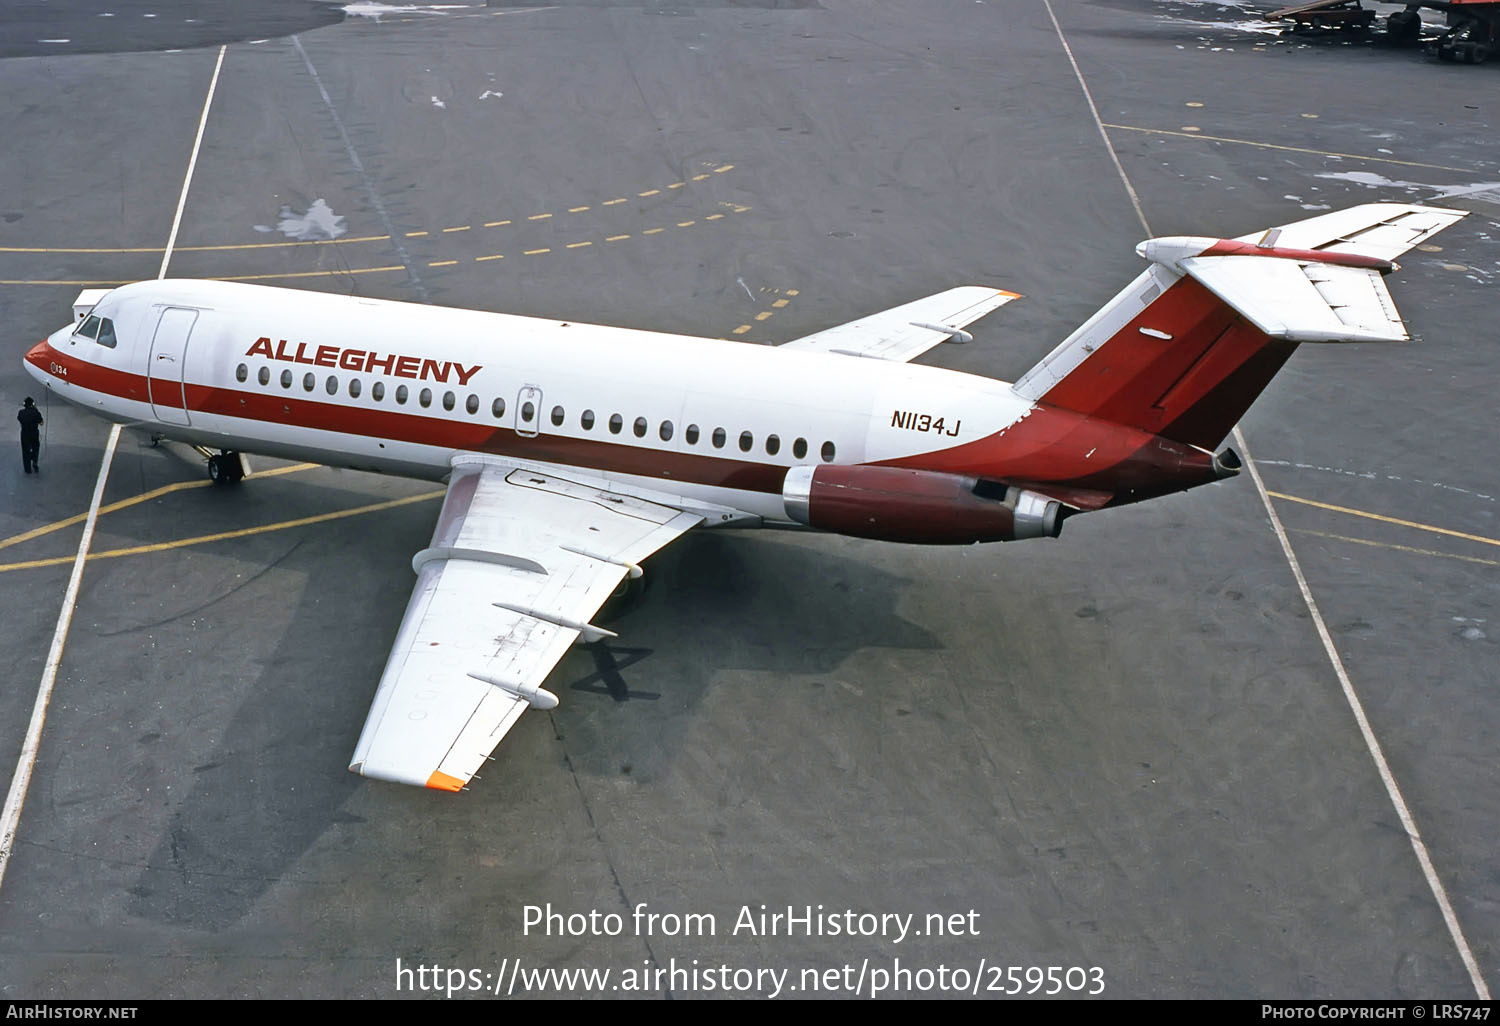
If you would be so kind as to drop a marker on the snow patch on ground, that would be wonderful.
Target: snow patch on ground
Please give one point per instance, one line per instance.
(317, 222)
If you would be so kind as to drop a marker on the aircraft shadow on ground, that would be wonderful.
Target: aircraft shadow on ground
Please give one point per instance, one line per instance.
(729, 601)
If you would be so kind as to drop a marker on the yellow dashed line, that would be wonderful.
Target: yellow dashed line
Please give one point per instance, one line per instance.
(763, 315)
(355, 239)
(1387, 520)
(310, 274)
(616, 238)
(780, 303)
(792, 292)
(1399, 548)
(578, 245)
(137, 550)
(652, 231)
(686, 224)
(492, 256)
(742, 329)
(713, 217)
(534, 252)
(442, 263)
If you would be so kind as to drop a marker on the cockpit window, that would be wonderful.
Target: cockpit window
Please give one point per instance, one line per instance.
(90, 327)
(107, 332)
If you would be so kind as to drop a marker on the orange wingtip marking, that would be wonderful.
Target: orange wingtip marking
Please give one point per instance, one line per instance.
(440, 781)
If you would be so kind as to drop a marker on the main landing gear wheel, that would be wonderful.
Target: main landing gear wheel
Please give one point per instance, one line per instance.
(225, 468)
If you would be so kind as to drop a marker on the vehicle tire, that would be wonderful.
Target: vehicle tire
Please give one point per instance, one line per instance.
(217, 472)
(1478, 53)
(1403, 27)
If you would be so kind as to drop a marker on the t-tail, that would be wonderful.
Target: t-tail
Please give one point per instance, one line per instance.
(1185, 349)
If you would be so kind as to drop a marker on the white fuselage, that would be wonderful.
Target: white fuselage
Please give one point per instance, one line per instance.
(401, 388)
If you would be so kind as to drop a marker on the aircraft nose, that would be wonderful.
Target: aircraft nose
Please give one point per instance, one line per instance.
(38, 362)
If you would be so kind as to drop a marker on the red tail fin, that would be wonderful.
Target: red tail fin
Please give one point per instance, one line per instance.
(1185, 366)
(1184, 350)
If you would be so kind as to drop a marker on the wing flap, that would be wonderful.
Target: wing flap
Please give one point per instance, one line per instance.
(520, 561)
(905, 332)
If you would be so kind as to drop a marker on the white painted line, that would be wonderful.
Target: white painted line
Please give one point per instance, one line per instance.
(20, 781)
(1356, 706)
(1386, 776)
(213, 83)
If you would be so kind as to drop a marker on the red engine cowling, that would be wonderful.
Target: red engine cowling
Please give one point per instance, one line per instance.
(896, 504)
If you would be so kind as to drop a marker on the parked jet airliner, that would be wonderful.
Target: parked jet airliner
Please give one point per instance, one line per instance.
(573, 451)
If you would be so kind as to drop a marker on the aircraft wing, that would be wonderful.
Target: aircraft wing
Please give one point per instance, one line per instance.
(1384, 230)
(519, 562)
(905, 332)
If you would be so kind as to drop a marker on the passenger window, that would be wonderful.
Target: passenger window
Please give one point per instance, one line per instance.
(799, 448)
(449, 400)
(286, 379)
(746, 441)
(377, 391)
(424, 398)
(828, 452)
(497, 408)
(773, 444)
(472, 404)
(639, 427)
(107, 333)
(587, 420)
(718, 438)
(263, 375)
(616, 422)
(354, 388)
(691, 434)
(528, 411)
(90, 327)
(241, 372)
(665, 431)
(401, 394)
(557, 416)
(309, 382)
(332, 384)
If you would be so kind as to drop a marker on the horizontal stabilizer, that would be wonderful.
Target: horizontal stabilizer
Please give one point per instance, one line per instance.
(1384, 230)
(1302, 302)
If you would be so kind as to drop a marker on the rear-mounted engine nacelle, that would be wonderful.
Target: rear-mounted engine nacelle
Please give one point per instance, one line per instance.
(895, 504)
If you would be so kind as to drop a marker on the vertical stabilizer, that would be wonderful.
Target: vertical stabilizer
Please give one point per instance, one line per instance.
(1185, 349)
